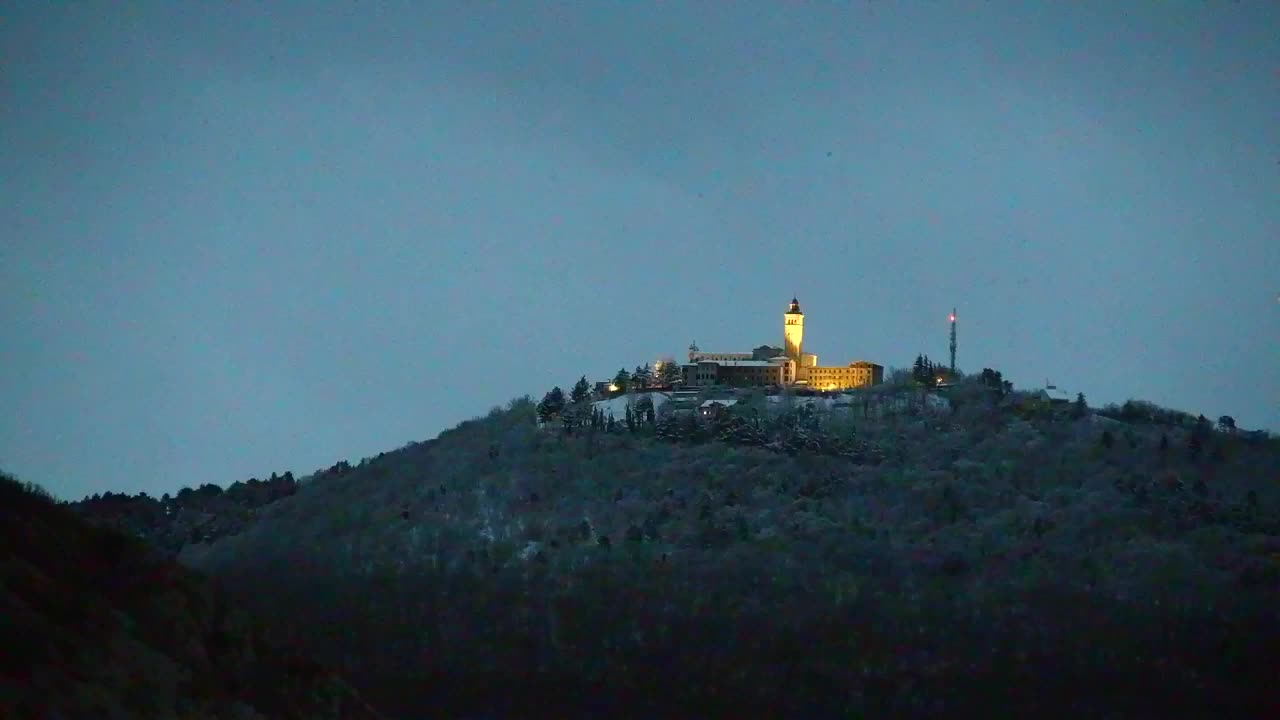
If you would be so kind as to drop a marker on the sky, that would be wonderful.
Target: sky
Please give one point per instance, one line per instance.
(245, 238)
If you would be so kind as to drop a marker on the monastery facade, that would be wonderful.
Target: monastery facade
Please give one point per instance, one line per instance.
(788, 365)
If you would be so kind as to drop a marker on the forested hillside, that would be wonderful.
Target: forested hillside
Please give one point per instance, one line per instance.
(96, 625)
(999, 557)
(191, 516)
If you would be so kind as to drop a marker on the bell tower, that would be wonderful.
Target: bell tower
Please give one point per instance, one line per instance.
(793, 331)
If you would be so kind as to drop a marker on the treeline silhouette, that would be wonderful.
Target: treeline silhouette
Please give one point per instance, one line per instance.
(203, 514)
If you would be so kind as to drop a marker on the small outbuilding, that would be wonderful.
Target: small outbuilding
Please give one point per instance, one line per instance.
(712, 408)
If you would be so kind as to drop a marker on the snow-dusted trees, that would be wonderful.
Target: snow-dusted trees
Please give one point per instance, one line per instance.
(963, 540)
(642, 377)
(668, 372)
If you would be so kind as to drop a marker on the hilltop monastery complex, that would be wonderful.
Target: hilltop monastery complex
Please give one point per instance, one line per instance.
(768, 365)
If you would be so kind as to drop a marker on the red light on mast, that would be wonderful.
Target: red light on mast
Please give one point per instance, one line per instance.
(953, 317)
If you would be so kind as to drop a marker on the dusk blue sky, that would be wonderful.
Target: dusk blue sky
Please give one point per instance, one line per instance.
(251, 237)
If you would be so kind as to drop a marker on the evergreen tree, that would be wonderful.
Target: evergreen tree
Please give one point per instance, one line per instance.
(622, 380)
(1080, 408)
(918, 369)
(581, 391)
(552, 404)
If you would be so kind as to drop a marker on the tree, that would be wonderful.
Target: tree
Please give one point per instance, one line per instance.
(1201, 427)
(1226, 423)
(642, 377)
(622, 380)
(669, 373)
(581, 391)
(1108, 439)
(919, 372)
(990, 378)
(643, 411)
(569, 419)
(552, 404)
(1081, 407)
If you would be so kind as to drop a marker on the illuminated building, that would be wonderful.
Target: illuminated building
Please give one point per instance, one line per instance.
(788, 365)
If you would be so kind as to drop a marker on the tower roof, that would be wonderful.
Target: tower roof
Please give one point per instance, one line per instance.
(795, 307)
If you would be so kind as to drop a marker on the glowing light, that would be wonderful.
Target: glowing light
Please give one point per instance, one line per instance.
(953, 317)
(613, 387)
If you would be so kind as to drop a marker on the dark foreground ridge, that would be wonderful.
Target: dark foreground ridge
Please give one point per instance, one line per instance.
(95, 624)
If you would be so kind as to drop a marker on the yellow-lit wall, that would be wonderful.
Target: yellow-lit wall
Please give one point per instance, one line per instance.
(793, 335)
(841, 378)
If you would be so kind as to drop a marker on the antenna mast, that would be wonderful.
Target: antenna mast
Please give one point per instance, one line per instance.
(953, 342)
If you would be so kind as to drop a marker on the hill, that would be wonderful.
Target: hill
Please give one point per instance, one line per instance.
(95, 624)
(998, 556)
